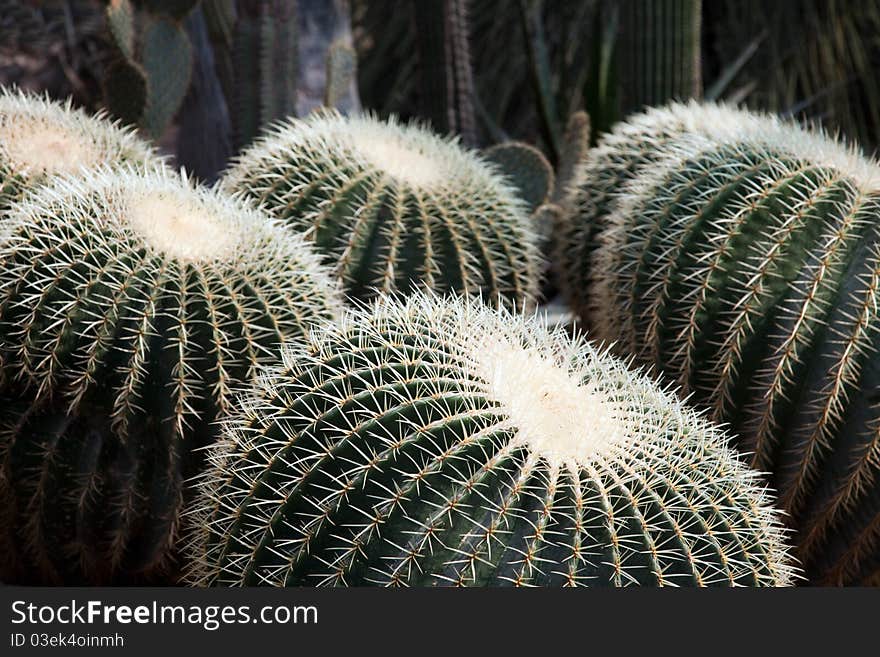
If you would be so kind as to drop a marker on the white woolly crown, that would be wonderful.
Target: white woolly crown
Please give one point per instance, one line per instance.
(39, 136)
(410, 154)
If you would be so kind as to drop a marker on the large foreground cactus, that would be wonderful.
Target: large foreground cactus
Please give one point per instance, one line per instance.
(394, 207)
(40, 138)
(131, 305)
(434, 442)
(743, 259)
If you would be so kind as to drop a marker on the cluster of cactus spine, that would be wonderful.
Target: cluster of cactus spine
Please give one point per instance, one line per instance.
(131, 306)
(393, 207)
(741, 255)
(632, 147)
(40, 139)
(440, 442)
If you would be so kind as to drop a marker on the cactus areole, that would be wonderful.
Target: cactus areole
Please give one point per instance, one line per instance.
(429, 442)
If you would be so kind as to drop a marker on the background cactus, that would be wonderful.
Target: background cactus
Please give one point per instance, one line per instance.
(201, 77)
(658, 56)
(810, 58)
(743, 261)
(496, 70)
(393, 206)
(435, 442)
(416, 59)
(526, 169)
(40, 138)
(131, 304)
(264, 55)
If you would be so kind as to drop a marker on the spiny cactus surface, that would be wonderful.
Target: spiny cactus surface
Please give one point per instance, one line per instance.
(131, 305)
(743, 259)
(81, 505)
(394, 207)
(40, 138)
(439, 442)
(631, 147)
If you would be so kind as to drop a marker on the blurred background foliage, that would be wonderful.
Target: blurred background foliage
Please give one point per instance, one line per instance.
(534, 62)
(203, 77)
(814, 59)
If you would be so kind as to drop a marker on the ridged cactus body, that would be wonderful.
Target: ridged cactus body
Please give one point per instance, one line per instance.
(632, 147)
(84, 505)
(131, 306)
(431, 442)
(40, 138)
(394, 207)
(743, 259)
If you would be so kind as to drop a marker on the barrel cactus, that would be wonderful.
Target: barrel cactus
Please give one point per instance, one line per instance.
(40, 138)
(392, 207)
(743, 259)
(440, 442)
(631, 147)
(132, 304)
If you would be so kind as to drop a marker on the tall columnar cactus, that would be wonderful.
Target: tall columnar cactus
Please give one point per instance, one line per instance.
(658, 54)
(394, 207)
(438, 442)
(743, 259)
(131, 305)
(40, 138)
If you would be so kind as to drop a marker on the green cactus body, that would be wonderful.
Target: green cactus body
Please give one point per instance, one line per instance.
(81, 504)
(440, 442)
(131, 305)
(744, 262)
(658, 56)
(40, 138)
(394, 207)
(632, 147)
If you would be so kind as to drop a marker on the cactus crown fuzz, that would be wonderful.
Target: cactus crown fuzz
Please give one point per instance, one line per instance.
(182, 225)
(429, 441)
(393, 207)
(409, 157)
(39, 137)
(33, 146)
